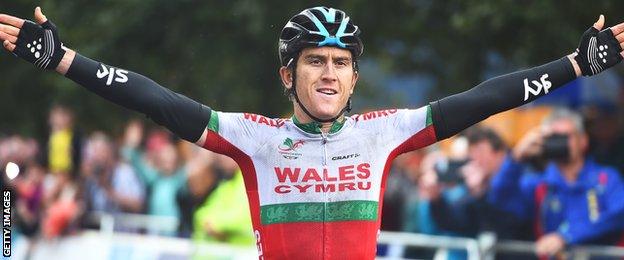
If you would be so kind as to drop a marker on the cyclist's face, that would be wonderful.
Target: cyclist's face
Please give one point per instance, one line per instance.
(325, 80)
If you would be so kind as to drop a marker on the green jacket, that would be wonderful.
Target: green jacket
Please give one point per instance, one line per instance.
(228, 210)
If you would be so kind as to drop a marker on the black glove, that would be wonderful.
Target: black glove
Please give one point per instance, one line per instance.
(39, 45)
(597, 51)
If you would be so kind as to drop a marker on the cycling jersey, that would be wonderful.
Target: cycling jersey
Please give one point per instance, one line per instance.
(315, 195)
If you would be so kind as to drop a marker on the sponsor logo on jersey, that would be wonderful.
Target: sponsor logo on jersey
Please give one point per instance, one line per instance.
(543, 83)
(343, 157)
(118, 75)
(303, 180)
(374, 114)
(264, 120)
(289, 147)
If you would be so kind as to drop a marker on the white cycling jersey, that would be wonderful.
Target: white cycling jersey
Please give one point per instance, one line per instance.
(316, 195)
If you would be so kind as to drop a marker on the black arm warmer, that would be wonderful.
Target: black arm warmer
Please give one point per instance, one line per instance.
(455, 113)
(183, 116)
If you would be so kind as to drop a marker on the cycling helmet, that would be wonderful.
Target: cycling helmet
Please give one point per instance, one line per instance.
(318, 26)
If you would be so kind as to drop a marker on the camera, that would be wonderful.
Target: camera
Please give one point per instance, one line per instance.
(449, 171)
(555, 147)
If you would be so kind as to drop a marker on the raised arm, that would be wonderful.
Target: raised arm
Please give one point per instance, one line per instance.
(597, 51)
(39, 43)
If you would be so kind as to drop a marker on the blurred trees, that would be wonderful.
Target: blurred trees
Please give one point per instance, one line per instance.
(223, 53)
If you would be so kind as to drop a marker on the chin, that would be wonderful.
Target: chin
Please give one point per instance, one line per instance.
(325, 114)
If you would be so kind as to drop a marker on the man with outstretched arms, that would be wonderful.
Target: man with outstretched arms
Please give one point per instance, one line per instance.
(314, 181)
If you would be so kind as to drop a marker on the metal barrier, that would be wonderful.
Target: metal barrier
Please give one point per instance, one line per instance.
(152, 224)
(484, 247)
(442, 243)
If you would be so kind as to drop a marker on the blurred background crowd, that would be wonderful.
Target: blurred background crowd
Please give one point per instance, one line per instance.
(74, 160)
(560, 177)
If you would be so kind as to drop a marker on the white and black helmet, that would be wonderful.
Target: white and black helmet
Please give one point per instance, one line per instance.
(318, 26)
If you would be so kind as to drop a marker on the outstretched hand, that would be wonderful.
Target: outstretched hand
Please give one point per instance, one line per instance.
(38, 43)
(599, 49)
(10, 27)
(617, 30)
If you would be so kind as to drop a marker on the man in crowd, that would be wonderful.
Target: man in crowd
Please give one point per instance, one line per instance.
(573, 200)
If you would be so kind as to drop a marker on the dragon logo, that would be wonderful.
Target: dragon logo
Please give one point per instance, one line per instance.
(290, 146)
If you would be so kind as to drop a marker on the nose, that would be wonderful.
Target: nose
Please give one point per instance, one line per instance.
(329, 72)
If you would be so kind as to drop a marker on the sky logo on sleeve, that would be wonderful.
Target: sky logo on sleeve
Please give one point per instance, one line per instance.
(118, 75)
(542, 84)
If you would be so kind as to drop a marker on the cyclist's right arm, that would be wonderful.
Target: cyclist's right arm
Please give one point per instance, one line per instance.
(183, 116)
(39, 43)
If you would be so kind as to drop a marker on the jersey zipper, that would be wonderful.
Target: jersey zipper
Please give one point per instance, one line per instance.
(324, 142)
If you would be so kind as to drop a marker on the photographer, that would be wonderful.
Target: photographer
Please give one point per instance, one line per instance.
(572, 200)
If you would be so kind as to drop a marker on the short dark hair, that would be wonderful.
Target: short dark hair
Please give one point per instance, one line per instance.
(478, 134)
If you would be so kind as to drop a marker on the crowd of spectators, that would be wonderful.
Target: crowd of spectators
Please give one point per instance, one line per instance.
(556, 186)
(559, 185)
(69, 181)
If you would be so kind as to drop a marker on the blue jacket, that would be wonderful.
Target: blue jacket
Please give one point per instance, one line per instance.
(583, 211)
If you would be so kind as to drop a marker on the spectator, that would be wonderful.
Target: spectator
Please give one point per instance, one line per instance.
(399, 188)
(63, 152)
(606, 135)
(64, 205)
(487, 152)
(30, 192)
(224, 216)
(201, 181)
(440, 184)
(111, 186)
(161, 173)
(400, 191)
(574, 200)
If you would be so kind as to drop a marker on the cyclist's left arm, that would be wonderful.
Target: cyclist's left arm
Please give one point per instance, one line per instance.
(597, 51)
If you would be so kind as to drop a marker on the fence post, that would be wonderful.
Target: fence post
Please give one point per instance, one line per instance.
(487, 241)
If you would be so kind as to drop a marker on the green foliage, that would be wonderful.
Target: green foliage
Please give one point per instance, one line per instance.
(223, 53)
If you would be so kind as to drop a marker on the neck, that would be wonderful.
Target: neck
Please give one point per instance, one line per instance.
(571, 170)
(303, 118)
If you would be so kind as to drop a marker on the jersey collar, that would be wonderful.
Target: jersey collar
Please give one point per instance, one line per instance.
(315, 127)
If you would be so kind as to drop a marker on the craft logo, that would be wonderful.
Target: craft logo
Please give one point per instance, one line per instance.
(289, 147)
(6, 223)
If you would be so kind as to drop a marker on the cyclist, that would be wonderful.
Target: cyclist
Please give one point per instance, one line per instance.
(314, 181)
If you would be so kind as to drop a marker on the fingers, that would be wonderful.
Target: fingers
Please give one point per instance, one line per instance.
(617, 29)
(8, 46)
(600, 23)
(10, 30)
(620, 38)
(11, 20)
(39, 17)
(6, 37)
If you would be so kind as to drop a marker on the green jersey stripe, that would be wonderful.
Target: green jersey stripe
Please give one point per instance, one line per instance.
(319, 212)
(429, 120)
(213, 124)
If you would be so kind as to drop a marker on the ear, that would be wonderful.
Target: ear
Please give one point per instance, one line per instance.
(356, 75)
(286, 76)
